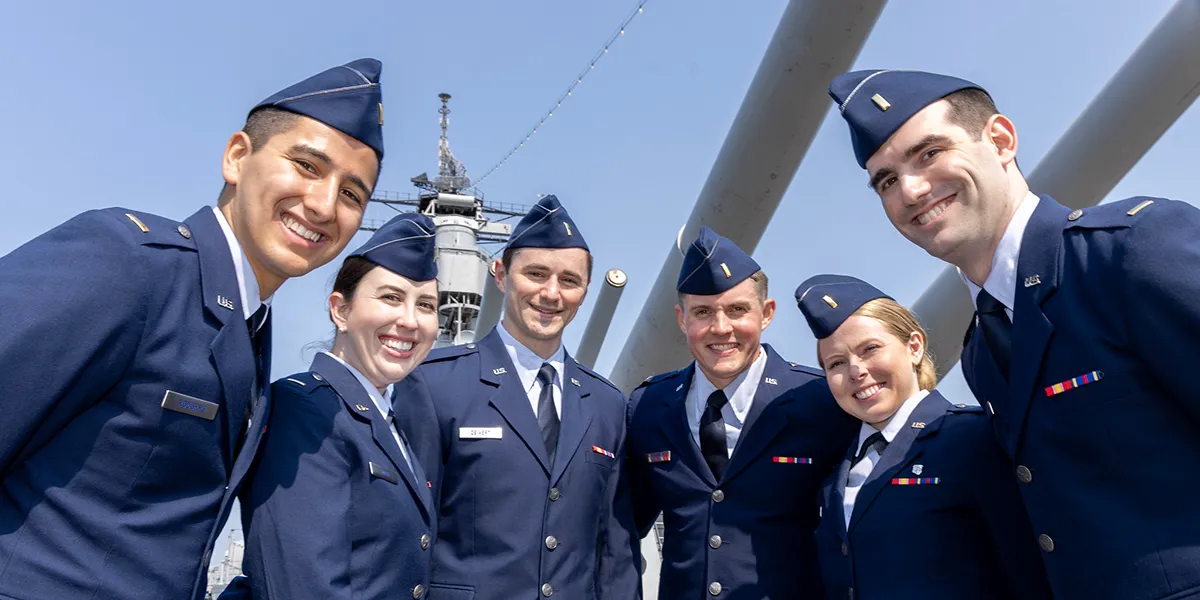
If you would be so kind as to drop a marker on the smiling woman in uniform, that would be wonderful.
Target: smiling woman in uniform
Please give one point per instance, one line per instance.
(925, 505)
(338, 507)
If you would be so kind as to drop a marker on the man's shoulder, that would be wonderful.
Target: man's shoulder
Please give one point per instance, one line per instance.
(598, 381)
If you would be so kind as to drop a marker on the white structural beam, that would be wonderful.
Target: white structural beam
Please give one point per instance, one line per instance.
(816, 40)
(602, 315)
(489, 305)
(1158, 82)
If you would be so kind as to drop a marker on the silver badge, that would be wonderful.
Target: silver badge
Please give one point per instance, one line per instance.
(499, 371)
(1033, 280)
(576, 382)
(771, 381)
(224, 302)
(917, 469)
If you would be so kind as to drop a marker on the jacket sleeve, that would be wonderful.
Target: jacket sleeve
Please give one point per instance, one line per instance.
(416, 412)
(642, 499)
(75, 306)
(620, 551)
(1003, 511)
(1161, 303)
(295, 511)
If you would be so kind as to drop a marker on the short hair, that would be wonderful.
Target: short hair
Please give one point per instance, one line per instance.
(970, 109)
(507, 257)
(262, 125)
(902, 323)
(760, 287)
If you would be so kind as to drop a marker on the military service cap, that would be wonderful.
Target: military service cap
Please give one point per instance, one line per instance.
(547, 225)
(347, 98)
(828, 300)
(405, 246)
(713, 264)
(876, 103)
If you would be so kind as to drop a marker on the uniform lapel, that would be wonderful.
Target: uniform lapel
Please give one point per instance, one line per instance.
(768, 397)
(258, 420)
(231, 352)
(901, 451)
(359, 404)
(576, 418)
(679, 431)
(1037, 279)
(510, 397)
(837, 495)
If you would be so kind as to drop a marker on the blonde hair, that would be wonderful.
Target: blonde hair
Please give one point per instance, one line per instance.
(901, 323)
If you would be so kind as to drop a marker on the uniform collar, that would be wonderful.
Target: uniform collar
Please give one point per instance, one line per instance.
(896, 423)
(527, 362)
(247, 282)
(740, 396)
(383, 403)
(1002, 280)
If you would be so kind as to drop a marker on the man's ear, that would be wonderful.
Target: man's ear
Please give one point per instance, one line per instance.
(1002, 134)
(236, 151)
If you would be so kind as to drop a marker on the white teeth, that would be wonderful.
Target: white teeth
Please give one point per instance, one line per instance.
(398, 345)
(867, 392)
(932, 213)
(722, 347)
(301, 230)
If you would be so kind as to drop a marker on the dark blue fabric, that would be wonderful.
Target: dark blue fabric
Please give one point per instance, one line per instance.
(320, 521)
(347, 98)
(406, 246)
(768, 510)
(547, 225)
(1112, 485)
(904, 93)
(713, 264)
(828, 300)
(500, 498)
(105, 494)
(965, 537)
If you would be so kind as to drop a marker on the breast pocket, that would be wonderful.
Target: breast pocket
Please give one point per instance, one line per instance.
(1083, 389)
(600, 457)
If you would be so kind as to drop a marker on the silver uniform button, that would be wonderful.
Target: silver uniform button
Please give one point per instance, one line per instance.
(551, 542)
(555, 494)
(418, 591)
(715, 542)
(547, 589)
(845, 549)
(1046, 543)
(184, 231)
(318, 377)
(718, 495)
(1075, 214)
(714, 588)
(470, 346)
(425, 542)
(1024, 475)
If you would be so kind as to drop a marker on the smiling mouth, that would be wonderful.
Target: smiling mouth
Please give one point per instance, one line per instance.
(292, 224)
(403, 348)
(928, 216)
(722, 348)
(548, 312)
(867, 392)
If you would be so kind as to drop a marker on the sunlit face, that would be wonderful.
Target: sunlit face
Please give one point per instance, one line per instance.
(387, 327)
(298, 200)
(543, 289)
(724, 331)
(943, 189)
(870, 371)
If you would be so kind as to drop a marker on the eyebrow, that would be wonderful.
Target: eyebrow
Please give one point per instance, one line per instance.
(915, 149)
(328, 162)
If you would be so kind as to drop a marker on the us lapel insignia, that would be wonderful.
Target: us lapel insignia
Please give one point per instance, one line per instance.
(657, 457)
(224, 302)
(918, 425)
(771, 381)
(576, 382)
(1033, 280)
(917, 469)
(362, 407)
(1074, 382)
(499, 371)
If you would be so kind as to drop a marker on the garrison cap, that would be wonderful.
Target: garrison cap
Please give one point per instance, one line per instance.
(713, 264)
(876, 103)
(405, 246)
(347, 98)
(828, 300)
(547, 226)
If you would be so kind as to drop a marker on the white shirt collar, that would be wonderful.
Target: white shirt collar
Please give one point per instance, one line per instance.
(527, 363)
(1002, 280)
(247, 282)
(383, 403)
(740, 396)
(896, 423)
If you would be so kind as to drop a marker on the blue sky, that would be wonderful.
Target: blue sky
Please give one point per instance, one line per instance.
(130, 104)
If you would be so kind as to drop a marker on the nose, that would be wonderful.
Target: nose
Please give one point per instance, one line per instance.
(858, 369)
(551, 291)
(320, 203)
(721, 324)
(406, 318)
(914, 188)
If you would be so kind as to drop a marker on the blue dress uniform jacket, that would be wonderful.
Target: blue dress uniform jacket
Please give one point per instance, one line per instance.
(1104, 466)
(128, 372)
(332, 509)
(750, 535)
(509, 527)
(939, 517)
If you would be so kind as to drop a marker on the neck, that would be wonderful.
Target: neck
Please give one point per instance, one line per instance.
(268, 284)
(977, 266)
(340, 350)
(543, 348)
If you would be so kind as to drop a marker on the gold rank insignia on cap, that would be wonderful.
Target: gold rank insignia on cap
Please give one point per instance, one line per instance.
(829, 301)
(881, 102)
(725, 269)
(568, 226)
(381, 113)
(142, 226)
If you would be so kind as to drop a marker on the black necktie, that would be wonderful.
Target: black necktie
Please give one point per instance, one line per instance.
(712, 434)
(547, 417)
(996, 329)
(254, 326)
(876, 441)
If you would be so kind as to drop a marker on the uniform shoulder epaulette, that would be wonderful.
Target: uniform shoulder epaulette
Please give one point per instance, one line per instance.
(660, 377)
(597, 376)
(962, 408)
(799, 368)
(303, 382)
(1122, 213)
(149, 228)
(450, 352)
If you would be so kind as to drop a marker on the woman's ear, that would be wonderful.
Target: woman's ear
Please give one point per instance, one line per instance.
(339, 311)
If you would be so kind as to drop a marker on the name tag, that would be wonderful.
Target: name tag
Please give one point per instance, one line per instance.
(189, 405)
(382, 472)
(480, 433)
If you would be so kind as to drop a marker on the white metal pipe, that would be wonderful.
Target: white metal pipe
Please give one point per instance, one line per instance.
(815, 41)
(489, 306)
(1157, 83)
(602, 315)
